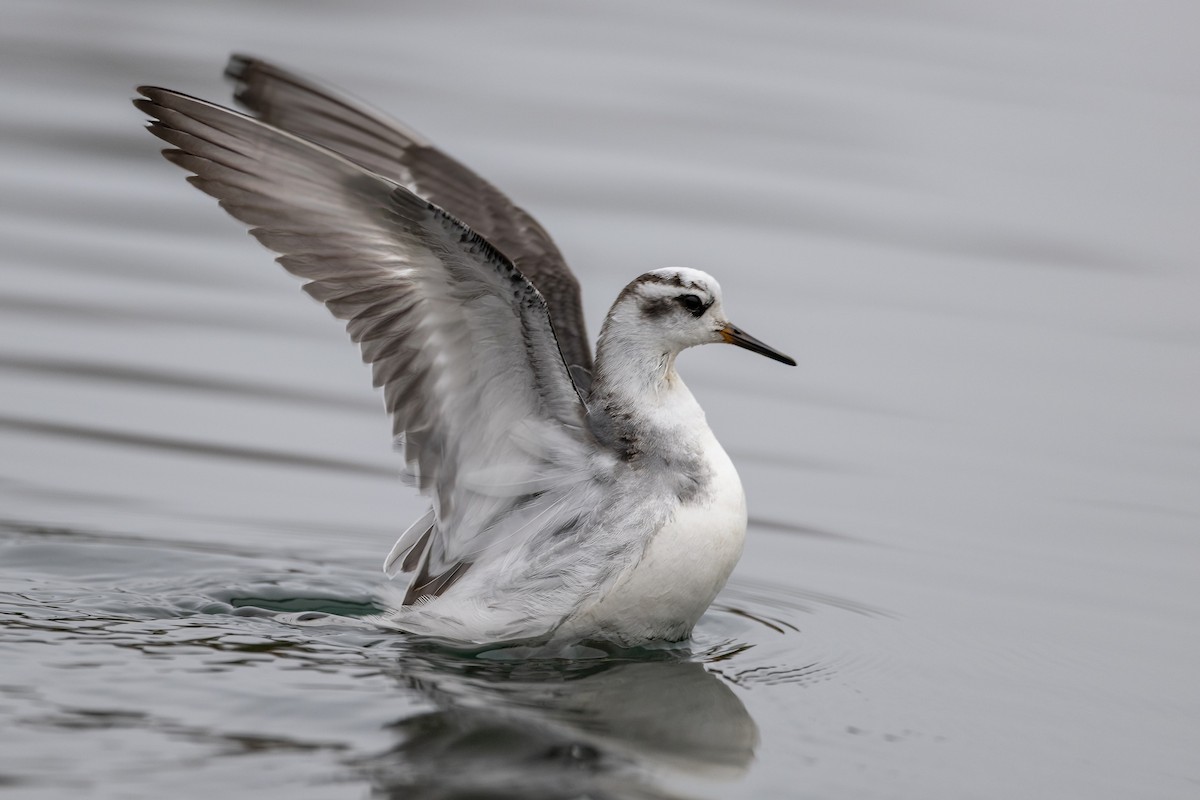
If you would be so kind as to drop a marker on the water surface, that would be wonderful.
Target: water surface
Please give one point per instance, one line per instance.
(972, 563)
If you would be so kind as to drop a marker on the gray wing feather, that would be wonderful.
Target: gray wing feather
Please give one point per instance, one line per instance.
(459, 340)
(393, 565)
(328, 117)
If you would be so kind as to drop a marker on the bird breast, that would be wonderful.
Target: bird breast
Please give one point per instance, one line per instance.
(684, 564)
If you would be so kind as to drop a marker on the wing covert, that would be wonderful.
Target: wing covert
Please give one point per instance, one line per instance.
(328, 117)
(459, 340)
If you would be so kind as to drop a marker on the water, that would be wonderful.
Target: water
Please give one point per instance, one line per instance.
(972, 563)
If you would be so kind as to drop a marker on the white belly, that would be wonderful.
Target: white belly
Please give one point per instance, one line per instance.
(683, 566)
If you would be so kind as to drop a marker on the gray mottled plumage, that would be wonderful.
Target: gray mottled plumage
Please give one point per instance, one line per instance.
(321, 114)
(614, 515)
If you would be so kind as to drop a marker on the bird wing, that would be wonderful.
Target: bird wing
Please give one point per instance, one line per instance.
(328, 117)
(458, 338)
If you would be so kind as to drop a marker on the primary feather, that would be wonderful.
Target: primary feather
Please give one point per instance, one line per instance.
(326, 116)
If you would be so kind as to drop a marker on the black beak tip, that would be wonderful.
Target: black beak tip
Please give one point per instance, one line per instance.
(735, 335)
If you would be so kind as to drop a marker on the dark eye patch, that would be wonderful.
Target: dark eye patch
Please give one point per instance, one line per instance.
(692, 303)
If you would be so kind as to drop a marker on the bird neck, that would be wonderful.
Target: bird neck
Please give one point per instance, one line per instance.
(638, 401)
(632, 366)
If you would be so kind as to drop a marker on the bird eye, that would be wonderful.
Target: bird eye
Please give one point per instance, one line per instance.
(692, 303)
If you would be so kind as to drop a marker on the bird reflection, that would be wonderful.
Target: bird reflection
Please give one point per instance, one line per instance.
(561, 729)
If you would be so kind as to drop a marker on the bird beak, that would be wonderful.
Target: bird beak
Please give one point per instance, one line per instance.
(735, 335)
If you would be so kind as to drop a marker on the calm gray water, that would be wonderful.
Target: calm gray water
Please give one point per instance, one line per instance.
(973, 567)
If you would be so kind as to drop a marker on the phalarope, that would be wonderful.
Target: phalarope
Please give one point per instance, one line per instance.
(570, 501)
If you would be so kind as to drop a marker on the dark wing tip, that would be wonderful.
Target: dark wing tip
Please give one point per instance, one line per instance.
(252, 77)
(150, 104)
(239, 64)
(148, 94)
(155, 98)
(240, 71)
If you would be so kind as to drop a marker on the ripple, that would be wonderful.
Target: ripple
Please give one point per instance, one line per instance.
(131, 376)
(794, 599)
(188, 622)
(194, 448)
(111, 314)
(760, 633)
(606, 723)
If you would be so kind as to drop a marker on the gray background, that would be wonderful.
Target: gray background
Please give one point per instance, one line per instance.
(973, 556)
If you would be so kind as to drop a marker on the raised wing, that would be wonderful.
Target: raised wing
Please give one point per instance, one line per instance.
(382, 145)
(459, 340)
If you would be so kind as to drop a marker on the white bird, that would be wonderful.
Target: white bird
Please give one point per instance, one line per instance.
(569, 503)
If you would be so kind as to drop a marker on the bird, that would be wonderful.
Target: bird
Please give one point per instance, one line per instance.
(572, 500)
